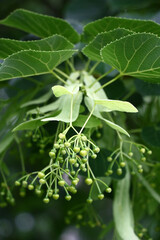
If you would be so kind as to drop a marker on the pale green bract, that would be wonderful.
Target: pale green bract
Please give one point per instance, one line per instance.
(122, 210)
(115, 105)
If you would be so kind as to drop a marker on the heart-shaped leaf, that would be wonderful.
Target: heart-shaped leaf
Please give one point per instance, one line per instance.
(53, 43)
(92, 50)
(135, 55)
(109, 23)
(40, 25)
(29, 63)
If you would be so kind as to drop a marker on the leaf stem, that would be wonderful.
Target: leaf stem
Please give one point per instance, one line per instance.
(102, 76)
(108, 83)
(71, 66)
(94, 66)
(71, 111)
(58, 77)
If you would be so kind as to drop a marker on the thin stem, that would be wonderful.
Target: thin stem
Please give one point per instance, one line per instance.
(87, 64)
(102, 76)
(58, 77)
(71, 66)
(108, 83)
(94, 66)
(62, 73)
(20, 153)
(87, 120)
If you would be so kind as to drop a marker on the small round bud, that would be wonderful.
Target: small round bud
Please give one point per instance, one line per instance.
(109, 159)
(108, 190)
(82, 165)
(73, 173)
(76, 149)
(140, 170)
(52, 154)
(84, 138)
(50, 192)
(139, 166)
(62, 136)
(76, 165)
(42, 181)
(56, 145)
(17, 183)
(149, 152)
(55, 196)
(110, 171)
(87, 149)
(143, 159)
(30, 187)
(119, 171)
(84, 169)
(142, 150)
(130, 154)
(140, 235)
(84, 160)
(22, 193)
(67, 144)
(79, 216)
(83, 153)
(75, 181)
(24, 183)
(96, 150)
(63, 152)
(68, 197)
(122, 164)
(61, 183)
(98, 134)
(41, 174)
(89, 200)
(72, 160)
(41, 151)
(46, 200)
(100, 196)
(88, 181)
(38, 191)
(94, 156)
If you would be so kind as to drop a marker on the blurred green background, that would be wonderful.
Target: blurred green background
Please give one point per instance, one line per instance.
(30, 218)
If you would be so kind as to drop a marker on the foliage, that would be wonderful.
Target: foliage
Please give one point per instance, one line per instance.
(58, 107)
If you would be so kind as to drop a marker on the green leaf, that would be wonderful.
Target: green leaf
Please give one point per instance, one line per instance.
(116, 105)
(93, 121)
(151, 135)
(53, 43)
(92, 50)
(44, 98)
(47, 108)
(29, 125)
(153, 193)
(109, 23)
(135, 55)
(6, 141)
(40, 25)
(30, 63)
(69, 104)
(122, 210)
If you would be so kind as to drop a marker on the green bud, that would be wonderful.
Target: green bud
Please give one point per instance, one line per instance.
(30, 187)
(109, 159)
(67, 144)
(108, 190)
(122, 164)
(17, 183)
(41, 175)
(88, 181)
(76, 149)
(55, 196)
(130, 154)
(68, 197)
(100, 196)
(46, 200)
(142, 150)
(72, 160)
(96, 150)
(89, 200)
(62, 136)
(119, 171)
(42, 181)
(61, 183)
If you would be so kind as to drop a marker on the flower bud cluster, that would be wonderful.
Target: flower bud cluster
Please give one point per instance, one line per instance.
(67, 159)
(5, 195)
(136, 158)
